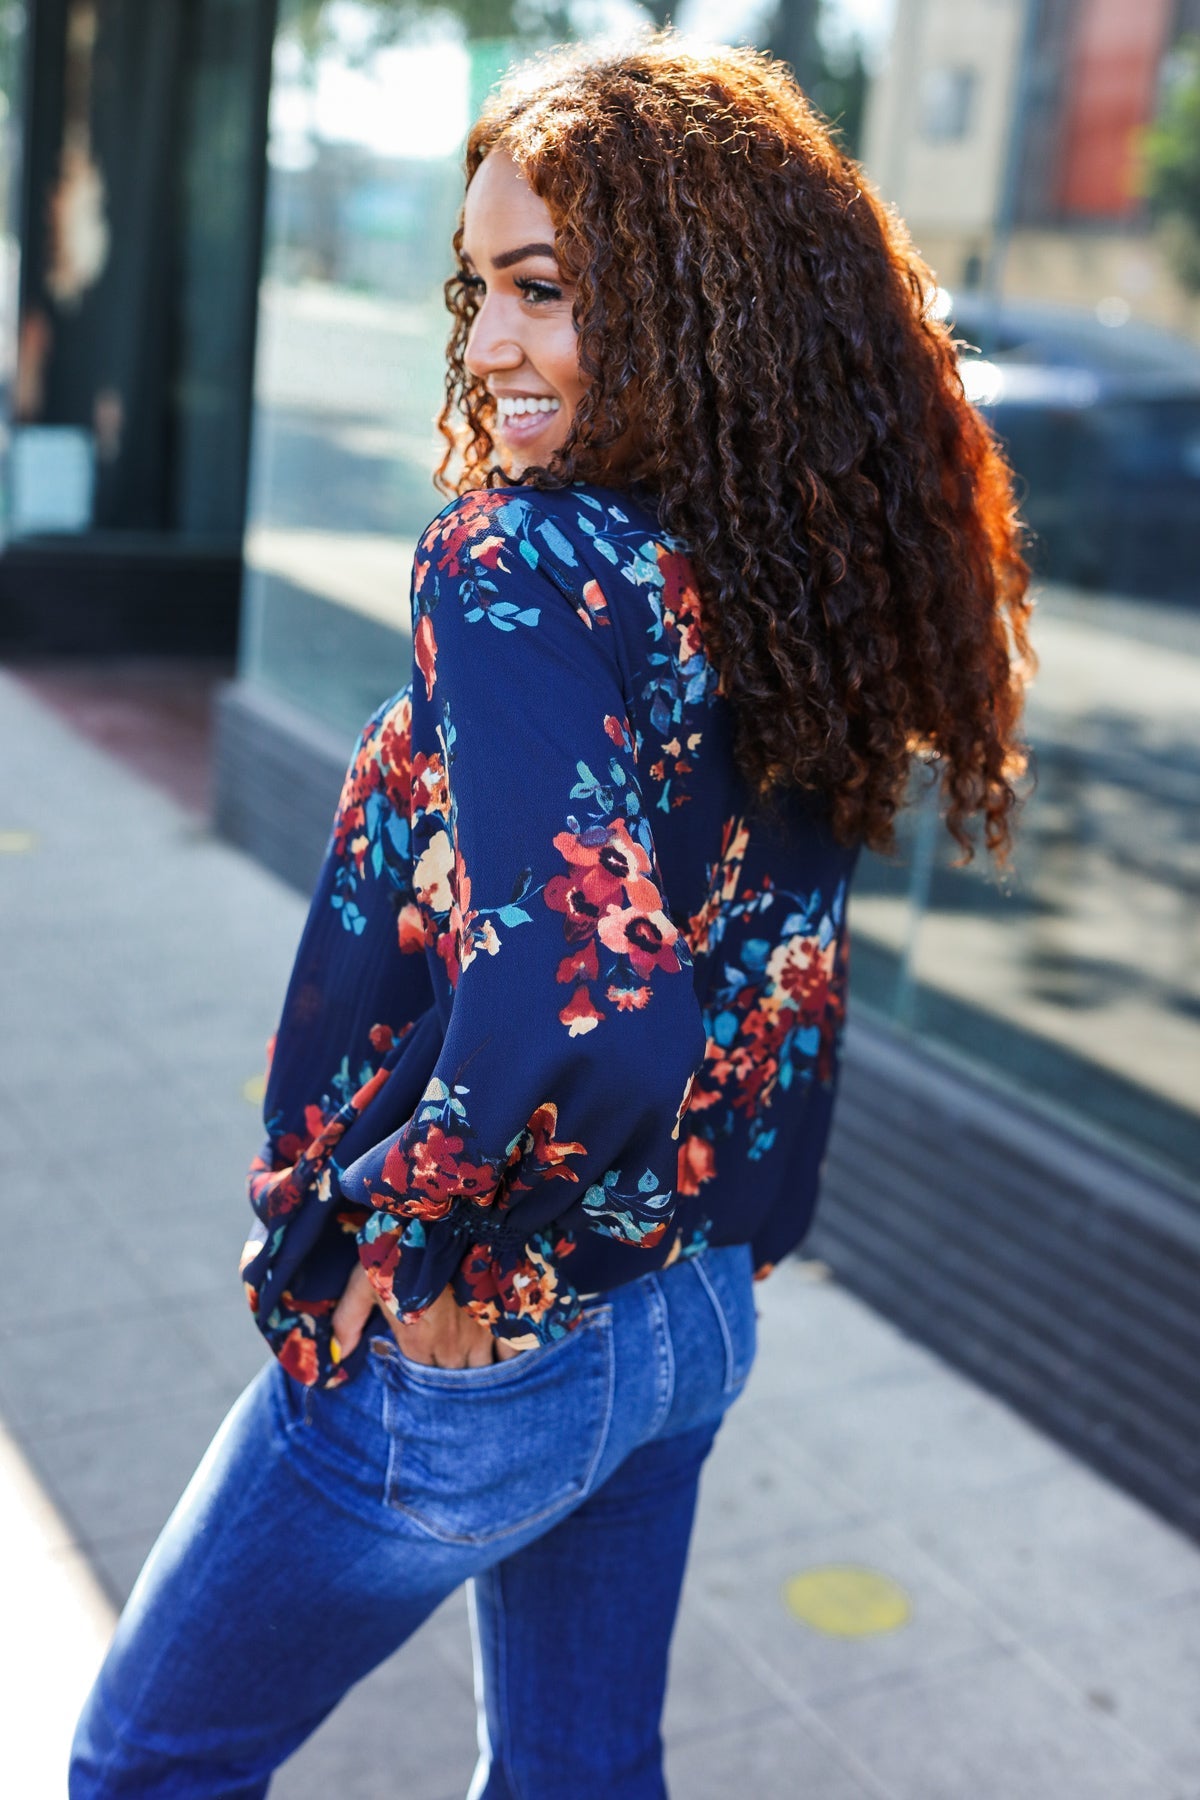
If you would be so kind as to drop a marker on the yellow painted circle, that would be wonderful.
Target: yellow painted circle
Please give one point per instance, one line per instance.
(17, 843)
(844, 1600)
(254, 1089)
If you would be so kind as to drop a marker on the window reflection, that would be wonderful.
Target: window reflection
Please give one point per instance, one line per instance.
(368, 117)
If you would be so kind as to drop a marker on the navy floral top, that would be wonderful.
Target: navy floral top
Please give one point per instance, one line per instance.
(564, 1008)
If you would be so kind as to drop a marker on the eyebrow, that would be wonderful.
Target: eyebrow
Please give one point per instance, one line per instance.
(508, 258)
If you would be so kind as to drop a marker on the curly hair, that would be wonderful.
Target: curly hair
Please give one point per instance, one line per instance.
(750, 311)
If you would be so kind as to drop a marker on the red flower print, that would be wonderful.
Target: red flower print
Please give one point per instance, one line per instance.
(579, 1015)
(581, 965)
(580, 909)
(536, 1153)
(452, 535)
(618, 730)
(431, 790)
(487, 551)
(607, 857)
(380, 1258)
(425, 652)
(364, 1095)
(477, 1272)
(395, 754)
(644, 935)
(410, 929)
(432, 1174)
(549, 1150)
(680, 605)
(595, 605)
(697, 1163)
(298, 1354)
(627, 999)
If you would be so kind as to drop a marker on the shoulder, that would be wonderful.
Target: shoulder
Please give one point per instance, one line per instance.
(489, 526)
(506, 554)
(554, 531)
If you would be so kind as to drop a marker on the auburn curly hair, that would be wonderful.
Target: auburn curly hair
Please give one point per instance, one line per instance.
(751, 312)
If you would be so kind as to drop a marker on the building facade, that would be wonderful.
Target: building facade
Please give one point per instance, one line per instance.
(1066, 85)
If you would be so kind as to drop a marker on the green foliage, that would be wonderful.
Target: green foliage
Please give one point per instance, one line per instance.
(390, 21)
(1171, 163)
(830, 70)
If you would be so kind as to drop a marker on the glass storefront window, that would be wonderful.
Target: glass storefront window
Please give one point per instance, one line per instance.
(140, 247)
(12, 50)
(1078, 981)
(365, 181)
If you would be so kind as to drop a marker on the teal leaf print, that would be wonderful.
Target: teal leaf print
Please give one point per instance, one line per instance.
(550, 534)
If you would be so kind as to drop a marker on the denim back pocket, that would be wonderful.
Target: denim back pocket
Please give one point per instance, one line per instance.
(480, 1454)
(337, 1436)
(727, 1275)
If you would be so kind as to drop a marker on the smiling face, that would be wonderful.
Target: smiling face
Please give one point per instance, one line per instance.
(523, 344)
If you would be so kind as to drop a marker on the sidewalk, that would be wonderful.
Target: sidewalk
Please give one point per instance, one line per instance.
(899, 1591)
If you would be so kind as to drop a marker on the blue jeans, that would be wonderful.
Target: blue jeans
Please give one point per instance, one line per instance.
(561, 1483)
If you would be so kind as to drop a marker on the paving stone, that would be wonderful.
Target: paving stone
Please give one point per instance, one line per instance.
(121, 1476)
(993, 1729)
(927, 1439)
(40, 1228)
(813, 1336)
(770, 1757)
(711, 1686)
(187, 1254)
(1062, 1550)
(741, 1595)
(66, 1373)
(1146, 1676)
(758, 1485)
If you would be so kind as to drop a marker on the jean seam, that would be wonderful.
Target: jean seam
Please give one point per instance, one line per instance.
(726, 1336)
(610, 1398)
(666, 1361)
(502, 1687)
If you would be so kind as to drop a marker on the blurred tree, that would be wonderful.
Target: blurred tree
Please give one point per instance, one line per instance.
(1171, 163)
(387, 21)
(828, 64)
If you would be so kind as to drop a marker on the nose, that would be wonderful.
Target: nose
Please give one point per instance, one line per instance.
(491, 343)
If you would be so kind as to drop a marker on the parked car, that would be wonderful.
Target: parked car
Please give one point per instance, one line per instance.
(1100, 415)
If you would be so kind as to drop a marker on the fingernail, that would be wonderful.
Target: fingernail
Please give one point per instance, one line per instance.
(335, 1349)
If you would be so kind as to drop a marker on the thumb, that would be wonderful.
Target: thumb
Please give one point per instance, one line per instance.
(352, 1312)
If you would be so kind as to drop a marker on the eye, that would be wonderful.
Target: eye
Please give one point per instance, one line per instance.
(467, 282)
(538, 293)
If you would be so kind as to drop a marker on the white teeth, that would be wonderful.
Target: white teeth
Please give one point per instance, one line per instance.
(508, 407)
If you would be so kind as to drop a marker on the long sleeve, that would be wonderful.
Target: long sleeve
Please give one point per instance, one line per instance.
(356, 1039)
(574, 1032)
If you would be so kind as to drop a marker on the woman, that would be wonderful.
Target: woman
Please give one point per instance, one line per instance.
(556, 1066)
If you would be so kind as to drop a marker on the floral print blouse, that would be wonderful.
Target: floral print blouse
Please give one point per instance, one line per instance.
(564, 1008)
